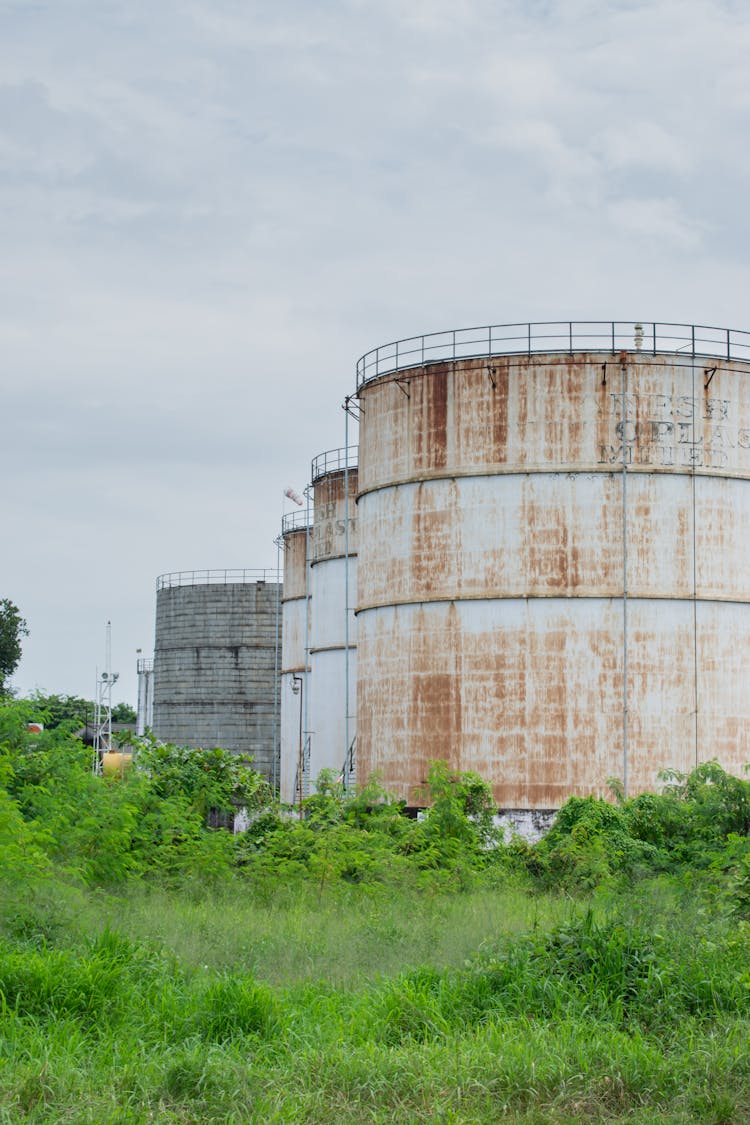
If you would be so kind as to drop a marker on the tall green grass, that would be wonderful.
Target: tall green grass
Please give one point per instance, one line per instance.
(346, 937)
(358, 966)
(522, 1008)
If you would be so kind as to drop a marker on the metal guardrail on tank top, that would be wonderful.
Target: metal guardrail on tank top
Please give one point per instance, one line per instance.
(214, 577)
(334, 460)
(554, 336)
(296, 521)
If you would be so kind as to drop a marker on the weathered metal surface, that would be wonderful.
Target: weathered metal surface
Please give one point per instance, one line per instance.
(294, 634)
(509, 575)
(334, 563)
(291, 705)
(214, 661)
(329, 540)
(295, 546)
(296, 608)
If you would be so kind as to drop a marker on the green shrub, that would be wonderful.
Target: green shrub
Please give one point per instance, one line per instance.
(232, 1006)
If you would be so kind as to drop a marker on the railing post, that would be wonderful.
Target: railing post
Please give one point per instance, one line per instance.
(653, 326)
(528, 332)
(570, 336)
(729, 354)
(692, 338)
(612, 326)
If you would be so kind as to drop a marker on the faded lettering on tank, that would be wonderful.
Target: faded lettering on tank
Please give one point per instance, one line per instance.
(672, 431)
(328, 533)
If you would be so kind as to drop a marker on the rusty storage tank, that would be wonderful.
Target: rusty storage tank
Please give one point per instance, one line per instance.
(214, 660)
(554, 562)
(333, 580)
(295, 618)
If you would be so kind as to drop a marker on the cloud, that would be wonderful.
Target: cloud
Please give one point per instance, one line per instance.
(656, 219)
(211, 208)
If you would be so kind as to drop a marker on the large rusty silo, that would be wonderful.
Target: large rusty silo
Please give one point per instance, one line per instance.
(333, 579)
(554, 556)
(294, 683)
(215, 653)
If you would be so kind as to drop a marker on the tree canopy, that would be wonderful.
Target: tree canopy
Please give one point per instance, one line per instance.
(12, 629)
(56, 709)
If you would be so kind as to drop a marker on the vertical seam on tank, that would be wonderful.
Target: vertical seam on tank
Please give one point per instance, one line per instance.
(623, 372)
(346, 595)
(695, 587)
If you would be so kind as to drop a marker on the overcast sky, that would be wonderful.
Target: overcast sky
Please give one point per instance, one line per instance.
(210, 208)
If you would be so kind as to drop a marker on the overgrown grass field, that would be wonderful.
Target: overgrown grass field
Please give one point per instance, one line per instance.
(358, 966)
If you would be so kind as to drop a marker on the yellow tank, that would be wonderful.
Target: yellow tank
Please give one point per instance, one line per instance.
(114, 764)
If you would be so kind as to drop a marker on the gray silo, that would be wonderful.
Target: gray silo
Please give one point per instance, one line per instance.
(554, 563)
(214, 658)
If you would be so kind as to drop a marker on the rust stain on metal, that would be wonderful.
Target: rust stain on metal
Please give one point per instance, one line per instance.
(328, 534)
(512, 495)
(295, 548)
(434, 697)
(429, 416)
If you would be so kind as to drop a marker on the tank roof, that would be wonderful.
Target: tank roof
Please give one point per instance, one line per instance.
(334, 461)
(554, 336)
(296, 521)
(214, 577)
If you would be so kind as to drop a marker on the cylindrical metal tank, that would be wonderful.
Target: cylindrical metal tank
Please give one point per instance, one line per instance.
(294, 683)
(333, 578)
(554, 563)
(214, 657)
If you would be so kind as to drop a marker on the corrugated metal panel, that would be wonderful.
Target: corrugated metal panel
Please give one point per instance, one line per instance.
(214, 660)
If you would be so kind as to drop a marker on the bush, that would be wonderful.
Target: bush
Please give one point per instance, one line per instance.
(233, 1006)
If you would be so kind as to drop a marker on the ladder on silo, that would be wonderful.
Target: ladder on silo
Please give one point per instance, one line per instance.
(302, 784)
(349, 769)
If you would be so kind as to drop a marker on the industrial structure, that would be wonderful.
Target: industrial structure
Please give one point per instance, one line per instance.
(294, 742)
(145, 709)
(536, 567)
(318, 676)
(333, 585)
(554, 581)
(214, 659)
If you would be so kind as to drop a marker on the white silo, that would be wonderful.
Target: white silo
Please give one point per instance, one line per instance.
(333, 582)
(294, 680)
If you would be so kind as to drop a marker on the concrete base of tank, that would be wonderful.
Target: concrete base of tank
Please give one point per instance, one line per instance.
(529, 824)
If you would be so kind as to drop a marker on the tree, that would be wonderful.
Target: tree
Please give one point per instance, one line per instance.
(56, 709)
(12, 628)
(123, 713)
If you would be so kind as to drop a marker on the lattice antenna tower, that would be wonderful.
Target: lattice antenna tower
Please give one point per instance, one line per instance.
(103, 717)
